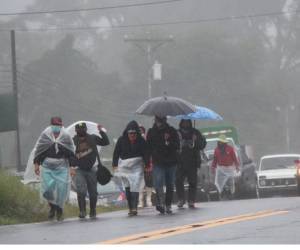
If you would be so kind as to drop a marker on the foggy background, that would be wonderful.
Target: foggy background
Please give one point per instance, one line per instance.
(78, 66)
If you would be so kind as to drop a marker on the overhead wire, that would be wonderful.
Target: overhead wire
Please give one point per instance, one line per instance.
(120, 6)
(196, 21)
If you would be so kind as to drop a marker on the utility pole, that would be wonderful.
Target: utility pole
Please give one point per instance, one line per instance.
(286, 112)
(149, 46)
(15, 93)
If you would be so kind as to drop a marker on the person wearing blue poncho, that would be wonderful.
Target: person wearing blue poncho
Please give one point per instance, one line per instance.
(54, 151)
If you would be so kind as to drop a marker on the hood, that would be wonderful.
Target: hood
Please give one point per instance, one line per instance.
(189, 121)
(278, 173)
(133, 125)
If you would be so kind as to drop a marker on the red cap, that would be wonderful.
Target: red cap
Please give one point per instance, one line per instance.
(56, 121)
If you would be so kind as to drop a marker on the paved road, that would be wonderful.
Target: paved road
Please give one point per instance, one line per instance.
(263, 221)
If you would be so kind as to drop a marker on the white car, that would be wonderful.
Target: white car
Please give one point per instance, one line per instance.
(277, 173)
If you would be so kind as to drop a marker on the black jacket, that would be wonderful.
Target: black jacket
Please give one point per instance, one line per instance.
(164, 154)
(125, 150)
(190, 147)
(88, 161)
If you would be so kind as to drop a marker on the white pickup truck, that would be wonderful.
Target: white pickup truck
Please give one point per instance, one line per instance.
(278, 174)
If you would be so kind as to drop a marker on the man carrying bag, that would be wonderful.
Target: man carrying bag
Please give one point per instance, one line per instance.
(86, 172)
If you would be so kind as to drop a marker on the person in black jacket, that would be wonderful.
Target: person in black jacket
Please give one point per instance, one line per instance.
(86, 155)
(163, 144)
(129, 160)
(191, 142)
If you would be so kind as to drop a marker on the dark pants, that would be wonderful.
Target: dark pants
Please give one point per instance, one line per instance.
(189, 172)
(86, 181)
(164, 175)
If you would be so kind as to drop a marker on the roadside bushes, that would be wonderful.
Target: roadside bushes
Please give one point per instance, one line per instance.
(19, 203)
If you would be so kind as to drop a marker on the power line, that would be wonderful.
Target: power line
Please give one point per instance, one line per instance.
(90, 9)
(204, 20)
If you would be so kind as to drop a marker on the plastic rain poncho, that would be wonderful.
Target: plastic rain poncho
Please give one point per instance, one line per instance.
(46, 136)
(47, 139)
(130, 173)
(54, 177)
(224, 174)
(29, 175)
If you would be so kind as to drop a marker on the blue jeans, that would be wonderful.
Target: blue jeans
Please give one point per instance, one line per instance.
(164, 175)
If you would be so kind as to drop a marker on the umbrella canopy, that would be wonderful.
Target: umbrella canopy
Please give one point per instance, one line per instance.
(202, 113)
(166, 106)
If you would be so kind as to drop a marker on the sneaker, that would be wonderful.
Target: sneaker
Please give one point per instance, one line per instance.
(160, 209)
(168, 209)
(180, 204)
(192, 205)
(132, 213)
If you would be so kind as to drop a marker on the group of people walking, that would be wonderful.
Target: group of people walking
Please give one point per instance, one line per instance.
(162, 158)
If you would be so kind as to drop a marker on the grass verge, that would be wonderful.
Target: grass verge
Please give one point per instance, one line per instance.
(20, 203)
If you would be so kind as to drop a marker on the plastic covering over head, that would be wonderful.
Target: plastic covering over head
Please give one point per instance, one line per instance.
(92, 128)
(45, 141)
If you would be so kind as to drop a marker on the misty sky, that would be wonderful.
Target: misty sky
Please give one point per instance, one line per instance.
(14, 5)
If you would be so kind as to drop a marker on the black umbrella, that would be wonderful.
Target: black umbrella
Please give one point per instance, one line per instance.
(166, 106)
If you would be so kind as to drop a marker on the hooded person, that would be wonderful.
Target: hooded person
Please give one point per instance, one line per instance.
(191, 142)
(130, 157)
(163, 143)
(54, 152)
(224, 165)
(86, 171)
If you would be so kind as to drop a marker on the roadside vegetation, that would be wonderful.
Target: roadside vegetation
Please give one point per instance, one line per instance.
(20, 203)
